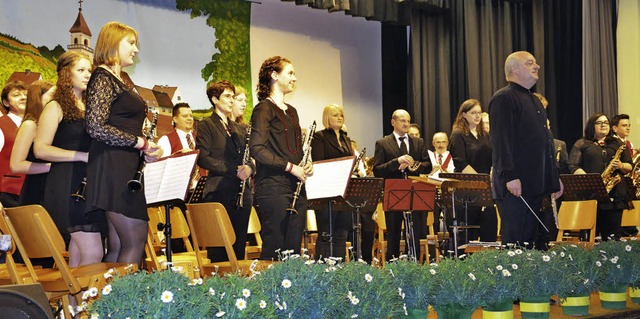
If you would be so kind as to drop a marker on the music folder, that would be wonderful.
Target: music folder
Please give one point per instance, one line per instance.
(168, 178)
(330, 178)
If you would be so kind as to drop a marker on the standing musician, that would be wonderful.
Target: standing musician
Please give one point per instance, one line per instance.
(14, 101)
(222, 143)
(276, 145)
(332, 142)
(592, 154)
(398, 155)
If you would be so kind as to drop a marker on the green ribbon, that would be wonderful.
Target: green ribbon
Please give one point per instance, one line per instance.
(534, 306)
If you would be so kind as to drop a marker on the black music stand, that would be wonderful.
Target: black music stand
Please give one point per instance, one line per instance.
(198, 191)
(166, 226)
(584, 187)
(468, 190)
(407, 195)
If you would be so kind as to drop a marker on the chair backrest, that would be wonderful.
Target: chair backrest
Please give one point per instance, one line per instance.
(211, 227)
(631, 217)
(312, 224)
(577, 215)
(430, 221)
(179, 226)
(9, 261)
(255, 226)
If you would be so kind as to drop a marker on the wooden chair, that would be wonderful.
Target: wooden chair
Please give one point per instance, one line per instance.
(211, 227)
(156, 242)
(380, 243)
(310, 234)
(9, 273)
(631, 217)
(432, 239)
(38, 237)
(254, 251)
(576, 216)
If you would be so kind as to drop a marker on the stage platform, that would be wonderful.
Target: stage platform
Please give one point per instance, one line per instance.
(595, 311)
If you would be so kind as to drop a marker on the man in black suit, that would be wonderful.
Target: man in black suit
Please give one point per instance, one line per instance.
(221, 143)
(398, 155)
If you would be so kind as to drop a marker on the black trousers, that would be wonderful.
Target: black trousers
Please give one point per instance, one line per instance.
(394, 232)
(332, 233)
(239, 220)
(280, 230)
(519, 225)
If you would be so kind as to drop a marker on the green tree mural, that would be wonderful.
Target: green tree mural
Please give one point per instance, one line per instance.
(231, 20)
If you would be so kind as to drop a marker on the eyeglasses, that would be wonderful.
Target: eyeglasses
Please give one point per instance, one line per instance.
(602, 123)
(474, 113)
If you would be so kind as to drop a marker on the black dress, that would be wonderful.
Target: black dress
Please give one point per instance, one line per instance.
(115, 114)
(33, 188)
(63, 180)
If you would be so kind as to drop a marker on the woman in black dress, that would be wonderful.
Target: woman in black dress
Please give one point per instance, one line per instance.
(62, 140)
(276, 145)
(332, 142)
(23, 161)
(470, 148)
(115, 114)
(591, 154)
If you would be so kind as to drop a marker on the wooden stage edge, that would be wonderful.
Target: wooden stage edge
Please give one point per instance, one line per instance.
(595, 311)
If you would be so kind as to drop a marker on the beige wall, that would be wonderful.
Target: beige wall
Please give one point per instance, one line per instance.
(629, 64)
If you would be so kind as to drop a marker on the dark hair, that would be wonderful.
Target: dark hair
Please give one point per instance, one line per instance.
(416, 126)
(274, 63)
(616, 119)
(64, 87)
(34, 99)
(177, 107)
(461, 123)
(13, 85)
(216, 88)
(590, 130)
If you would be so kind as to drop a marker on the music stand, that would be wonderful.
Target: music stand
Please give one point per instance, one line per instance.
(584, 187)
(406, 195)
(469, 190)
(198, 191)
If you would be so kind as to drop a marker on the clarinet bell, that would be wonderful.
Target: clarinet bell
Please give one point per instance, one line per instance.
(134, 185)
(78, 196)
(292, 211)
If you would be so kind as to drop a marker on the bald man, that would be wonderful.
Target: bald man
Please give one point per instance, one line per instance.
(523, 154)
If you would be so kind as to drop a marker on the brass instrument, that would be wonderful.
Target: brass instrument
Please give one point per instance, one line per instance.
(356, 164)
(245, 161)
(414, 167)
(635, 173)
(368, 165)
(135, 184)
(306, 158)
(608, 177)
(78, 196)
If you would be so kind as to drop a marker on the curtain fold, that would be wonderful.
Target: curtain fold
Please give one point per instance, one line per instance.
(396, 11)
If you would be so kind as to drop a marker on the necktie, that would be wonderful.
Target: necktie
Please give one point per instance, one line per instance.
(403, 146)
(192, 145)
(440, 159)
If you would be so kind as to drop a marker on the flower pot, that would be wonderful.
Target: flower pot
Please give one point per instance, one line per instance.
(416, 314)
(634, 293)
(613, 297)
(575, 305)
(454, 312)
(535, 307)
(500, 310)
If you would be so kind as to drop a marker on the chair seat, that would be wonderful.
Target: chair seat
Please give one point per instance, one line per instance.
(88, 275)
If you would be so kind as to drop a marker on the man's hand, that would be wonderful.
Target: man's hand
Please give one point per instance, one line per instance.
(515, 187)
(244, 172)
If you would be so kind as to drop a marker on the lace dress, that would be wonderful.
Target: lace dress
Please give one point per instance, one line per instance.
(115, 114)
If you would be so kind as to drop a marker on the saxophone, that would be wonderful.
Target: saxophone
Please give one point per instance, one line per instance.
(635, 174)
(306, 158)
(608, 177)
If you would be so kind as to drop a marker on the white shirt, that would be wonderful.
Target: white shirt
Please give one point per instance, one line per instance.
(434, 161)
(166, 145)
(16, 119)
(406, 140)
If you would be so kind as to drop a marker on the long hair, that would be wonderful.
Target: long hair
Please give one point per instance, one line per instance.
(461, 123)
(108, 43)
(274, 63)
(590, 129)
(64, 87)
(34, 99)
(239, 91)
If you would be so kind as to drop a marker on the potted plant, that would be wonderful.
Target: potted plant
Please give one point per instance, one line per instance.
(634, 287)
(538, 280)
(234, 296)
(580, 277)
(456, 290)
(414, 285)
(617, 264)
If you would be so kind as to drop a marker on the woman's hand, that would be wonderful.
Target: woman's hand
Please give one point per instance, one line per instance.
(153, 152)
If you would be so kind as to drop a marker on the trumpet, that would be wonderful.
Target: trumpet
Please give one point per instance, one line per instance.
(135, 184)
(245, 161)
(306, 158)
(78, 196)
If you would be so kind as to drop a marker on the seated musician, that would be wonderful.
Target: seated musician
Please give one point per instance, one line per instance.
(441, 159)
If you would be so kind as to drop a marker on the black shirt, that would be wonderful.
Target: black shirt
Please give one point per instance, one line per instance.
(466, 149)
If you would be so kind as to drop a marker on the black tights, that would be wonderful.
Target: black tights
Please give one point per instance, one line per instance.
(127, 237)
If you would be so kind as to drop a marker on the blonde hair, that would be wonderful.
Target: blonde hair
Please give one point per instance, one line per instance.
(328, 111)
(108, 44)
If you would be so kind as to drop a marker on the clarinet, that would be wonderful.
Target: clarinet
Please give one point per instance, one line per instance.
(356, 165)
(245, 161)
(135, 184)
(78, 196)
(306, 158)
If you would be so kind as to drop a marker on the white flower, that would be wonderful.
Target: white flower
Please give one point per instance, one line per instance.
(93, 291)
(613, 260)
(519, 251)
(368, 277)
(286, 283)
(562, 254)
(246, 293)
(220, 314)
(354, 316)
(432, 271)
(263, 304)
(514, 266)
(598, 263)
(355, 301)
(586, 281)
(95, 316)
(511, 253)
(86, 295)
(167, 296)
(309, 262)
(618, 266)
(241, 304)
(106, 290)
(278, 305)
(627, 247)
(506, 273)
(72, 311)
(546, 258)
(472, 276)
(212, 292)
(499, 267)
(284, 305)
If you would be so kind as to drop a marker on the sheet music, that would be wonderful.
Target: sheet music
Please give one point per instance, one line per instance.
(169, 178)
(330, 178)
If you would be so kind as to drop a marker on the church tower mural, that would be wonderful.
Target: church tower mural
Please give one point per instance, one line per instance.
(80, 35)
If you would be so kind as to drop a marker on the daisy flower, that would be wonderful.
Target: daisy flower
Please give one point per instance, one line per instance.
(167, 296)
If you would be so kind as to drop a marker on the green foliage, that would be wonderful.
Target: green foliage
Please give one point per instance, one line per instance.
(618, 261)
(500, 272)
(580, 271)
(51, 55)
(415, 282)
(231, 21)
(456, 285)
(17, 57)
(538, 276)
(235, 296)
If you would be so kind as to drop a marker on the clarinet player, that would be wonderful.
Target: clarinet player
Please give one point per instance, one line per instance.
(276, 145)
(222, 144)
